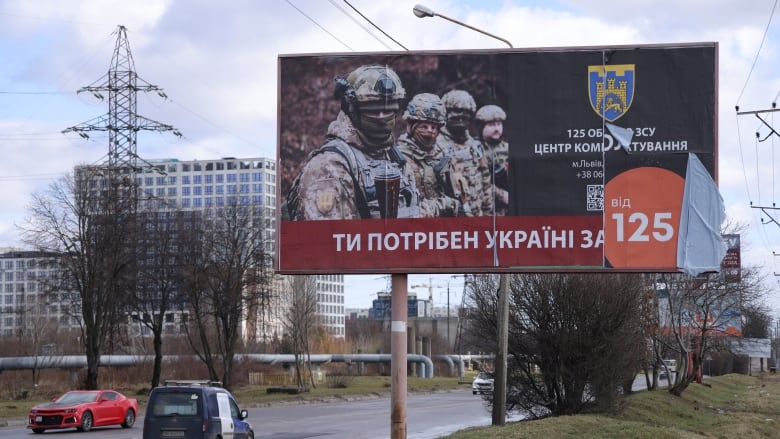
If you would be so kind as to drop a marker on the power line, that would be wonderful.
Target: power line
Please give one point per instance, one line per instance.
(319, 25)
(763, 39)
(372, 24)
(33, 92)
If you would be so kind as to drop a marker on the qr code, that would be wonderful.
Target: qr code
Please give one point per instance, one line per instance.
(595, 197)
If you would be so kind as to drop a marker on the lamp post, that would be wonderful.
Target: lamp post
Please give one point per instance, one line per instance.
(423, 12)
(499, 388)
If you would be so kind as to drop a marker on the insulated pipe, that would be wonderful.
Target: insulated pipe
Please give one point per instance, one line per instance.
(80, 361)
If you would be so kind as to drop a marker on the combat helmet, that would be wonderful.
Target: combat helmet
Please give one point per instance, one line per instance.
(489, 113)
(426, 107)
(369, 86)
(459, 99)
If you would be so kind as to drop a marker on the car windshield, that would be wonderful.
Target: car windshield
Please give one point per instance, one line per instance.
(77, 397)
(175, 404)
(485, 376)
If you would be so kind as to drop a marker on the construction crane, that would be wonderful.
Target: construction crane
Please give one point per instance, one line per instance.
(430, 286)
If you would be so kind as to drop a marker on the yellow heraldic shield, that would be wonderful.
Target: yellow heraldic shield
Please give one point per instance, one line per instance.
(326, 198)
(611, 89)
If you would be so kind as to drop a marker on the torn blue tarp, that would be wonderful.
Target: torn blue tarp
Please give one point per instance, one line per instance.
(700, 245)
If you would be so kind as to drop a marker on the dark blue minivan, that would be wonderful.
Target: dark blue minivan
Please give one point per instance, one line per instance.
(194, 410)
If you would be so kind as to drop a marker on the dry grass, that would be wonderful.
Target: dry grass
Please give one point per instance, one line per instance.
(732, 406)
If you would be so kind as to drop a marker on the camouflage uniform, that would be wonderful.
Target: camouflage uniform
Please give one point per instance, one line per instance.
(337, 180)
(465, 151)
(495, 176)
(427, 165)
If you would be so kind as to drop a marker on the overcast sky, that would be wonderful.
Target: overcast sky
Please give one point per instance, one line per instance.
(217, 60)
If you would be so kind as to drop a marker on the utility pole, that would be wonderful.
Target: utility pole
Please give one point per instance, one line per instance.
(122, 85)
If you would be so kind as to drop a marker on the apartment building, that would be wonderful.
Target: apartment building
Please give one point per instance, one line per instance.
(205, 184)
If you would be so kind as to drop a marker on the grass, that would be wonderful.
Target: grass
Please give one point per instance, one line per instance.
(731, 406)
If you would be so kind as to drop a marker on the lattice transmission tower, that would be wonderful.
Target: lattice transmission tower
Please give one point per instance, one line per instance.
(122, 122)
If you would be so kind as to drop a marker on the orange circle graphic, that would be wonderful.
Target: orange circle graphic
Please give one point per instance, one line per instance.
(642, 217)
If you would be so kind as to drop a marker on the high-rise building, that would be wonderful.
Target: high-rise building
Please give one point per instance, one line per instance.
(205, 184)
(26, 301)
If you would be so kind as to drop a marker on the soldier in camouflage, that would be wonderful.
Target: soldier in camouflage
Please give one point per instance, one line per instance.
(465, 151)
(337, 180)
(495, 178)
(427, 165)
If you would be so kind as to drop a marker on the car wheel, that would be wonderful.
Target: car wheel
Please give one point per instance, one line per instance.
(129, 419)
(86, 422)
(37, 430)
(473, 392)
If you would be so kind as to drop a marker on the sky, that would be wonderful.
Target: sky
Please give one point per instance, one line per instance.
(217, 64)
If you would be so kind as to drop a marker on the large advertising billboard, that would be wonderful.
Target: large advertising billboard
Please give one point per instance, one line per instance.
(568, 159)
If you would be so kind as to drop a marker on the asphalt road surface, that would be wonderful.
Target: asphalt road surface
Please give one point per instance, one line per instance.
(429, 416)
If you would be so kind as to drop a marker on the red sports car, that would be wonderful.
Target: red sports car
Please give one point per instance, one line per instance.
(84, 409)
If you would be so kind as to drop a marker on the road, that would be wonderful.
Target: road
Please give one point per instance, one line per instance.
(429, 416)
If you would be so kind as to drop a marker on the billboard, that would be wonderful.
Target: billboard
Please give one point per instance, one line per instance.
(596, 145)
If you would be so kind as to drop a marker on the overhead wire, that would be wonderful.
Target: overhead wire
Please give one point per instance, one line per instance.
(354, 20)
(760, 214)
(372, 24)
(758, 52)
(319, 25)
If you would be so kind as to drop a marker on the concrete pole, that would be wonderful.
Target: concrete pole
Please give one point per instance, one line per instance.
(499, 383)
(398, 348)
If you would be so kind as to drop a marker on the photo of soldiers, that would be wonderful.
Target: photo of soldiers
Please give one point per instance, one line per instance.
(358, 173)
(495, 178)
(464, 150)
(426, 163)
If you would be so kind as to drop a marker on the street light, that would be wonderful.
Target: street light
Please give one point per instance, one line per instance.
(423, 12)
(500, 385)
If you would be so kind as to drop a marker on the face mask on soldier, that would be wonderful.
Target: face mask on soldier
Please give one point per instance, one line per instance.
(425, 133)
(458, 120)
(376, 126)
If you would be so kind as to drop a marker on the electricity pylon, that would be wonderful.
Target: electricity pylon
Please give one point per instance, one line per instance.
(122, 85)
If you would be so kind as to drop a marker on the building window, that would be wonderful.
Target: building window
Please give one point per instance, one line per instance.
(197, 179)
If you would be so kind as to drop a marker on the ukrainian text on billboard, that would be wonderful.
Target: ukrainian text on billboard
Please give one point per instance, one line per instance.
(480, 161)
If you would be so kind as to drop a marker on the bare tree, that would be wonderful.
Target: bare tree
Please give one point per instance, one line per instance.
(159, 295)
(88, 220)
(695, 314)
(574, 339)
(227, 271)
(299, 322)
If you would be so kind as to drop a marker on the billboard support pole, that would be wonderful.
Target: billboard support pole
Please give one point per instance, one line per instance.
(500, 384)
(398, 357)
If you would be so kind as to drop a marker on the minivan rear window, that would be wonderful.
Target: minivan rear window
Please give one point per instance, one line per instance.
(175, 404)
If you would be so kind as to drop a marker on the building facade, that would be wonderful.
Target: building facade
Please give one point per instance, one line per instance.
(207, 184)
(26, 302)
